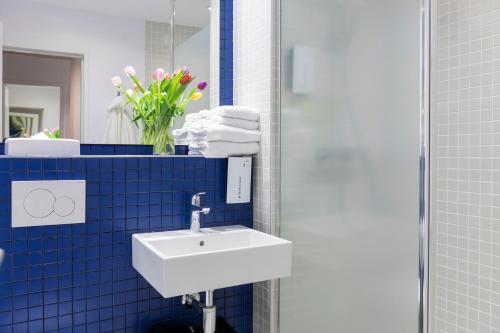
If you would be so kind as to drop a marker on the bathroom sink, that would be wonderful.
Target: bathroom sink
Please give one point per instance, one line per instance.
(183, 262)
(42, 147)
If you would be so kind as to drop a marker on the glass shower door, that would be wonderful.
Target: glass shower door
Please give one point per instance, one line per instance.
(350, 165)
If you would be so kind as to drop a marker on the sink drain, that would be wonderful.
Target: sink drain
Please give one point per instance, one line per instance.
(202, 243)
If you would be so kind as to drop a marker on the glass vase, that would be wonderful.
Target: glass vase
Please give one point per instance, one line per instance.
(159, 134)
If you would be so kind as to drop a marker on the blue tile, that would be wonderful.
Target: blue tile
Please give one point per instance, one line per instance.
(49, 164)
(20, 327)
(70, 277)
(120, 150)
(85, 149)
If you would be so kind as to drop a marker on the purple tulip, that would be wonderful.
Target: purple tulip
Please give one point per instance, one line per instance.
(202, 85)
(185, 70)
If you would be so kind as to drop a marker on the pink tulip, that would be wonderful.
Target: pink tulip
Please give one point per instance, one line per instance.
(129, 70)
(116, 80)
(159, 74)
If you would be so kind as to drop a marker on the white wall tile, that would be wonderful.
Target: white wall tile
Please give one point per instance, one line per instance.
(256, 79)
(465, 162)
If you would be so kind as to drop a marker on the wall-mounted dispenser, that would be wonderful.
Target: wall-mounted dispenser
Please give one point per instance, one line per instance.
(239, 179)
(39, 203)
(303, 69)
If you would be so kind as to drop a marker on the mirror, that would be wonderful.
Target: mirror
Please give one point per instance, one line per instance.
(59, 56)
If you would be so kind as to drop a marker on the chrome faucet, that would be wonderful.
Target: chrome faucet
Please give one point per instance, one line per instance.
(195, 215)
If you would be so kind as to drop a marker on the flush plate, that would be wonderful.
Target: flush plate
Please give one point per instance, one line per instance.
(39, 203)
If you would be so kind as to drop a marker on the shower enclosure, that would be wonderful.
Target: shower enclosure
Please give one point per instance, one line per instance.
(354, 107)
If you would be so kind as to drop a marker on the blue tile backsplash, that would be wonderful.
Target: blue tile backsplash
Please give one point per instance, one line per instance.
(79, 278)
(110, 149)
(226, 53)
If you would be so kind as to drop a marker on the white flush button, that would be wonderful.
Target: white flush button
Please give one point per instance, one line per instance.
(39, 203)
(36, 203)
(64, 206)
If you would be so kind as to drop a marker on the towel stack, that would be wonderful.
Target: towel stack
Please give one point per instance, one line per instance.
(222, 132)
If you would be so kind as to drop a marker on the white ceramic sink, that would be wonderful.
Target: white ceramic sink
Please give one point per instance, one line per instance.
(42, 147)
(182, 262)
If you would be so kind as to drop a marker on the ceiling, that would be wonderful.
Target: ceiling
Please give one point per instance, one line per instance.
(187, 12)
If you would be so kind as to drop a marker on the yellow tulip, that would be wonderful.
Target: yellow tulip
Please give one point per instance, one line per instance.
(197, 96)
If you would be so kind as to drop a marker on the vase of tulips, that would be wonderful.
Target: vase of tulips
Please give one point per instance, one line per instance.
(157, 106)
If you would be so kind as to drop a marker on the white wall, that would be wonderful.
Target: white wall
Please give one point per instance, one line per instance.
(255, 49)
(37, 97)
(107, 44)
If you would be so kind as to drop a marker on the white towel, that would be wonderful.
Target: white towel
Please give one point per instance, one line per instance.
(192, 117)
(223, 149)
(182, 142)
(203, 114)
(235, 122)
(215, 132)
(194, 153)
(180, 133)
(180, 136)
(240, 112)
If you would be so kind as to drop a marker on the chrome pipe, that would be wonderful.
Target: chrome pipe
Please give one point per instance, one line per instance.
(425, 72)
(209, 298)
(209, 317)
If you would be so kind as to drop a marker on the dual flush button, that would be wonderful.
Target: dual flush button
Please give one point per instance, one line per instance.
(38, 203)
(41, 203)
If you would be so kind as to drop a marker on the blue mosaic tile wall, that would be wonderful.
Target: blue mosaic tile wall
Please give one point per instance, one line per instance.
(79, 278)
(226, 52)
(108, 149)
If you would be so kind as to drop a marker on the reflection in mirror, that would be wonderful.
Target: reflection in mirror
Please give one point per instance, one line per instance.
(59, 56)
(192, 46)
(41, 91)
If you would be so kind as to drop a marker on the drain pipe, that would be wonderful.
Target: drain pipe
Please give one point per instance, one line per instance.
(209, 309)
(209, 313)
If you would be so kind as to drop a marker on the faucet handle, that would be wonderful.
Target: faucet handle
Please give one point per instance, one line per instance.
(196, 199)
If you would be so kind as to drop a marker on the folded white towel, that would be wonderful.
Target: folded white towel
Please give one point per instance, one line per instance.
(194, 153)
(180, 133)
(235, 122)
(203, 114)
(206, 114)
(192, 117)
(216, 132)
(197, 123)
(223, 149)
(182, 142)
(240, 112)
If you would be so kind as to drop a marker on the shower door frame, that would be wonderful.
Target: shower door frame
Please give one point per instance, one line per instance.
(424, 165)
(424, 177)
